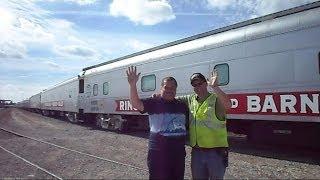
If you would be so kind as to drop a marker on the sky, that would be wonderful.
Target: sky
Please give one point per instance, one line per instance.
(44, 42)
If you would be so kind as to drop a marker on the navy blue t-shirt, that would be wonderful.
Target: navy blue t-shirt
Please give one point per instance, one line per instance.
(168, 121)
(167, 118)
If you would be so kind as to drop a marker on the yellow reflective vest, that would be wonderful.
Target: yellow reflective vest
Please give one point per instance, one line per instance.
(205, 129)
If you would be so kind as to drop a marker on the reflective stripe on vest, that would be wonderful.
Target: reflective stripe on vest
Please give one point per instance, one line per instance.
(205, 129)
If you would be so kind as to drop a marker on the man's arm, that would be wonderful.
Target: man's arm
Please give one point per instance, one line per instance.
(222, 97)
(183, 98)
(133, 78)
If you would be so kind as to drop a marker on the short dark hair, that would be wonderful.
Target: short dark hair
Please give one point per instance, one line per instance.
(169, 79)
(197, 76)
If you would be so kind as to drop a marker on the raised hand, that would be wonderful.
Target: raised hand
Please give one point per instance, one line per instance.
(213, 81)
(132, 75)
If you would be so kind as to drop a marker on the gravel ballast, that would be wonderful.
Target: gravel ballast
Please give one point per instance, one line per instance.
(246, 161)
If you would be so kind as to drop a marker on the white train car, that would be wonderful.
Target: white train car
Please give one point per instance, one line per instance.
(62, 99)
(269, 67)
(35, 102)
(24, 104)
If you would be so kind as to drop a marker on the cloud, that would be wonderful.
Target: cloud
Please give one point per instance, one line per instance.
(6, 19)
(21, 28)
(26, 65)
(138, 45)
(9, 47)
(79, 2)
(52, 64)
(74, 40)
(29, 28)
(29, 31)
(75, 50)
(31, 66)
(255, 7)
(12, 49)
(30, 36)
(60, 24)
(266, 6)
(145, 12)
(82, 2)
(18, 92)
(233, 11)
(221, 4)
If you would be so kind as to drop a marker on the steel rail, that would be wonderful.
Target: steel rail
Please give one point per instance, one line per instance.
(79, 152)
(42, 169)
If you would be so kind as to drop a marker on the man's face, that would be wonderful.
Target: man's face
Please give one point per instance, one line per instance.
(199, 86)
(168, 90)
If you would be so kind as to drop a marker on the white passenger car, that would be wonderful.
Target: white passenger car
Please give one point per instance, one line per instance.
(35, 103)
(61, 99)
(268, 66)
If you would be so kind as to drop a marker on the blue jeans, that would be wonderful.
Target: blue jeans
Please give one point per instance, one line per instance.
(209, 163)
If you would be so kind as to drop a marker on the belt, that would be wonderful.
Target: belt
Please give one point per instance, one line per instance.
(197, 148)
(160, 136)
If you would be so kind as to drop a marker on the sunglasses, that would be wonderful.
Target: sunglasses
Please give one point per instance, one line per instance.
(197, 84)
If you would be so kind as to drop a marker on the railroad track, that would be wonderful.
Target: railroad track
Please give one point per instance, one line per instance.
(64, 148)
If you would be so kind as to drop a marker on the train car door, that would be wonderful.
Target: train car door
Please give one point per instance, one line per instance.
(81, 96)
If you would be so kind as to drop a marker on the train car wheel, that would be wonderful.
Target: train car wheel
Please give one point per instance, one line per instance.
(99, 120)
(120, 124)
(72, 117)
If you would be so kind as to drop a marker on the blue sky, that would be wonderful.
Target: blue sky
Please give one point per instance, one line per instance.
(44, 42)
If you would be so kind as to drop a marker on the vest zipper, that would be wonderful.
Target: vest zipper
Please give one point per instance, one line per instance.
(195, 122)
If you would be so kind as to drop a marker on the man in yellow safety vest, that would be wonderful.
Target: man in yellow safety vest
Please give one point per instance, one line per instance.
(207, 128)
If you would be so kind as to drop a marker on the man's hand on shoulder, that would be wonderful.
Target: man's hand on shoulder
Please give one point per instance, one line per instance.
(156, 95)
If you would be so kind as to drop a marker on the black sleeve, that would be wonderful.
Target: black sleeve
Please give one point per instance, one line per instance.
(185, 110)
(187, 113)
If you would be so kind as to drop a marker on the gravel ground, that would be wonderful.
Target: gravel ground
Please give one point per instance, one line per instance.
(12, 167)
(85, 139)
(246, 161)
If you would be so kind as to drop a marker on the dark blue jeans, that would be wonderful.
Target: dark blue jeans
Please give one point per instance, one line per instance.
(166, 157)
(209, 163)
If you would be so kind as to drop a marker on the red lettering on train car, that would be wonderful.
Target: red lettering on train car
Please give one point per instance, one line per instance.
(282, 103)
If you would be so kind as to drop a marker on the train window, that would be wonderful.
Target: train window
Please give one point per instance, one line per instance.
(223, 72)
(105, 88)
(81, 86)
(95, 89)
(88, 90)
(148, 83)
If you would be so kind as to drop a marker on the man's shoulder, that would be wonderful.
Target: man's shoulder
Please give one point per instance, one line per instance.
(212, 96)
